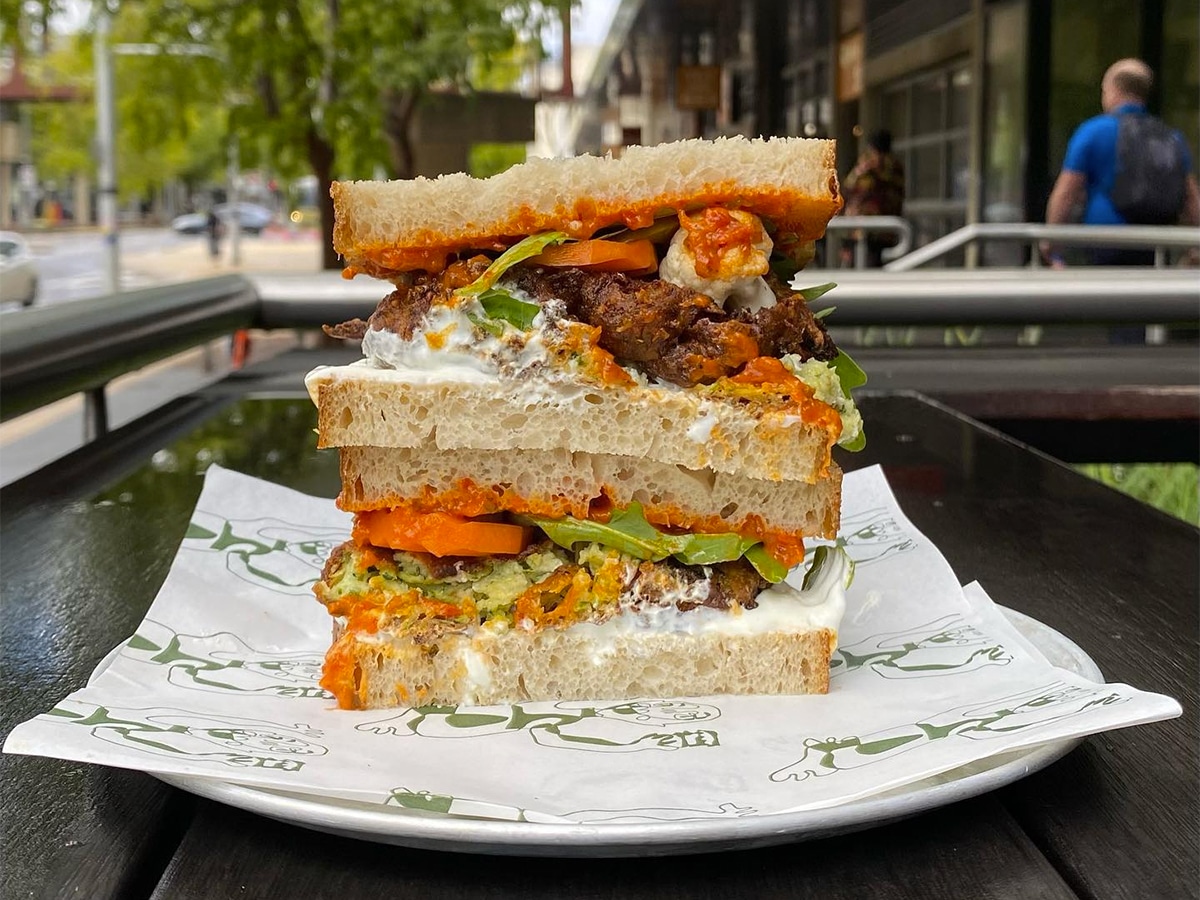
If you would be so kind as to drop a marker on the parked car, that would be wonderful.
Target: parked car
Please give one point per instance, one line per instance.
(190, 223)
(252, 217)
(18, 270)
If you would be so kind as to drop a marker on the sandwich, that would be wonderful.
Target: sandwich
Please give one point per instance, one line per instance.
(591, 431)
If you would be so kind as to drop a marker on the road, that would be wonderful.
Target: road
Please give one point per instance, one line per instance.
(71, 263)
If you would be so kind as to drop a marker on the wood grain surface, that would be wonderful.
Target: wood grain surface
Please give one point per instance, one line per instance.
(86, 546)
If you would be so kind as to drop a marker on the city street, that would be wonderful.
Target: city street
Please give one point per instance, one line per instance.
(71, 266)
(71, 263)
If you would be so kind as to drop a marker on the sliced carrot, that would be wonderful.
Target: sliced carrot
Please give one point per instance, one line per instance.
(439, 533)
(598, 255)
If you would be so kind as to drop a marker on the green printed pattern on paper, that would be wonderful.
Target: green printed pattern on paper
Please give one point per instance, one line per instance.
(1004, 716)
(946, 646)
(198, 737)
(224, 663)
(266, 552)
(621, 727)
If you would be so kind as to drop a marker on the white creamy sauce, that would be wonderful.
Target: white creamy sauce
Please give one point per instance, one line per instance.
(478, 675)
(781, 608)
(700, 431)
(363, 370)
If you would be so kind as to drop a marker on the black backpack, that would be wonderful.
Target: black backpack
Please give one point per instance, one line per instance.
(1150, 183)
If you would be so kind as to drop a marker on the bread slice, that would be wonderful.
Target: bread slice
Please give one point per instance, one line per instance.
(366, 407)
(561, 483)
(383, 669)
(384, 228)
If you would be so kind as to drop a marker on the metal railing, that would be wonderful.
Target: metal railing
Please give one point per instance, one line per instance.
(840, 227)
(53, 352)
(1159, 238)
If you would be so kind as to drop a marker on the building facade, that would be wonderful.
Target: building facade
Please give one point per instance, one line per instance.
(981, 96)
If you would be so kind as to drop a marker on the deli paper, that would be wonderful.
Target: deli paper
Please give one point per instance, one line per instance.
(220, 681)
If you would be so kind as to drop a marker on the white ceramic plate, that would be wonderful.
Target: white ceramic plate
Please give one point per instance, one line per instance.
(413, 828)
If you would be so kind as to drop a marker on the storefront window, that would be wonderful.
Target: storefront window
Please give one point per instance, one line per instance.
(1004, 145)
(928, 98)
(929, 117)
(1180, 76)
(925, 172)
(895, 113)
(1086, 37)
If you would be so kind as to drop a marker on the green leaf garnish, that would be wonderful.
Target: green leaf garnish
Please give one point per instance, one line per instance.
(858, 443)
(822, 313)
(499, 304)
(628, 531)
(830, 566)
(819, 290)
(495, 329)
(518, 252)
(767, 566)
(848, 372)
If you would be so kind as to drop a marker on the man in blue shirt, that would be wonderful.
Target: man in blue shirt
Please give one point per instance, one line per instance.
(1090, 165)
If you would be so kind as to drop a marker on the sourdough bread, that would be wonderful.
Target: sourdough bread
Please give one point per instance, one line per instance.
(366, 407)
(384, 228)
(383, 669)
(563, 483)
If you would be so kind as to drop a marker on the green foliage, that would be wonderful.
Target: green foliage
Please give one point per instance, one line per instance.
(1172, 487)
(485, 160)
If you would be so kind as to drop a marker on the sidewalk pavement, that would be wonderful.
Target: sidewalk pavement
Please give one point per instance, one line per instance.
(275, 252)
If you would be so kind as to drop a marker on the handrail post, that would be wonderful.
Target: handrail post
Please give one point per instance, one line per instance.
(95, 414)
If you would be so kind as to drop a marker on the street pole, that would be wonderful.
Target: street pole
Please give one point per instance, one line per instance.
(106, 150)
(233, 197)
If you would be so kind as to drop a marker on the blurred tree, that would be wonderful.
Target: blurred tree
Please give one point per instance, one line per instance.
(26, 23)
(162, 135)
(168, 128)
(486, 160)
(331, 86)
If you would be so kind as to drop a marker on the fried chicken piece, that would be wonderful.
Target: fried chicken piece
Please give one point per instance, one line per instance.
(670, 332)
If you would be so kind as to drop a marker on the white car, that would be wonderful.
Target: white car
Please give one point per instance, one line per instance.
(18, 270)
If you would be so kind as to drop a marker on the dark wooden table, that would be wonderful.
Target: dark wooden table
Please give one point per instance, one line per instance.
(85, 544)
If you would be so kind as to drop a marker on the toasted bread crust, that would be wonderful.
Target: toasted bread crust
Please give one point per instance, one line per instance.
(385, 669)
(386, 228)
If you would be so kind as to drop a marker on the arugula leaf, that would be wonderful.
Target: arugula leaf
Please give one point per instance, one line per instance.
(783, 267)
(495, 329)
(818, 290)
(848, 372)
(858, 443)
(500, 304)
(518, 252)
(705, 549)
(628, 531)
(767, 566)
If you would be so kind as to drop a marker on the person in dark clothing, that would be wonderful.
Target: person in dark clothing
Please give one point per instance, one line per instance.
(875, 187)
(212, 226)
(1089, 172)
(1107, 156)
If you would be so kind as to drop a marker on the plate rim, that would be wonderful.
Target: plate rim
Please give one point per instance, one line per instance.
(393, 825)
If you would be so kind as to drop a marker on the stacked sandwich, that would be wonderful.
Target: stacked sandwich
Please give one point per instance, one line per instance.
(590, 433)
